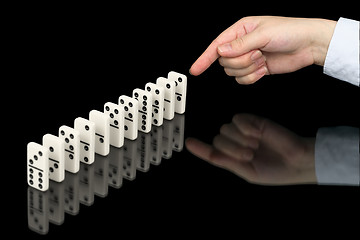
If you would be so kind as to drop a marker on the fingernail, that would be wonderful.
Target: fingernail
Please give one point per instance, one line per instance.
(225, 47)
(261, 71)
(259, 62)
(255, 55)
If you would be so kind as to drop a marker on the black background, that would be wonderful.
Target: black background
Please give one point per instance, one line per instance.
(65, 61)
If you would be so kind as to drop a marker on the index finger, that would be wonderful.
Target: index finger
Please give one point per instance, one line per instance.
(210, 54)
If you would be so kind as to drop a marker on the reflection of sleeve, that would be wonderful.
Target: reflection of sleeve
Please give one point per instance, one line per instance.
(337, 156)
(342, 59)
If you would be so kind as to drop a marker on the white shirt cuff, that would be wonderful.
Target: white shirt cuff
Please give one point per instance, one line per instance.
(342, 59)
(337, 156)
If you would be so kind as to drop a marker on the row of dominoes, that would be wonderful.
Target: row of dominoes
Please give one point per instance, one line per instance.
(145, 108)
(50, 206)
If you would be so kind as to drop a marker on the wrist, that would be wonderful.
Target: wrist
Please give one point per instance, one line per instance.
(321, 35)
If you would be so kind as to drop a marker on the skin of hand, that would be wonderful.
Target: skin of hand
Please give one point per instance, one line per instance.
(257, 46)
(260, 151)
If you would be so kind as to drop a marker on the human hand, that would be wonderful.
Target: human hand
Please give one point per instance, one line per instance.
(256, 46)
(260, 151)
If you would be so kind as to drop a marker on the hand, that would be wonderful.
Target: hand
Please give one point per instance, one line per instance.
(260, 151)
(256, 46)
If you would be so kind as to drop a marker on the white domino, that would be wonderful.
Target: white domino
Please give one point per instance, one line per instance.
(145, 109)
(169, 96)
(180, 90)
(116, 114)
(37, 166)
(102, 132)
(56, 147)
(72, 148)
(86, 129)
(158, 102)
(130, 106)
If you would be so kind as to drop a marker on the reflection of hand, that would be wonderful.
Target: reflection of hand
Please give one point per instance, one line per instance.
(255, 46)
(259, 151)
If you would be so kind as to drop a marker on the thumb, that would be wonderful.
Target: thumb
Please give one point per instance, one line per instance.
(241, 45)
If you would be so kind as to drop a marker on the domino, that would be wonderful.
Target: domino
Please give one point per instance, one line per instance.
(130, 106)
(180, 90)
(102, 132)
(157, 93)
(37, 166)
(72, 148)
(169, 96)
(116, 114)
(86, 129)
(56, 147)
(145, 109)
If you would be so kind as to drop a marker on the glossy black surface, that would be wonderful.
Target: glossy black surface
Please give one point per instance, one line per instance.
(73, 61)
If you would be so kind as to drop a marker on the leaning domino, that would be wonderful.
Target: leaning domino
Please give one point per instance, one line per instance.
(56, 148)
(169, 96)
(158, 102)
(102, 132)
(116, 114)
(130, 106)
(145, 109)
(86, 129)
(180, 90)
(72, 148)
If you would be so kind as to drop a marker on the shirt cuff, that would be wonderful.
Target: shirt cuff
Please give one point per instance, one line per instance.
(337, 156)
(342, 59)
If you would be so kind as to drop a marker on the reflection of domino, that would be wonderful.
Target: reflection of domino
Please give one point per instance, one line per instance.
(129, 164)
(38, 211)
(71, 193)
(116, 159)
(167, 139)
(143, 152)
(169, 96)
(38, 166)
(180, 90)
(86, 184)
(156, 145)
(56, 203)
(179, 128)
